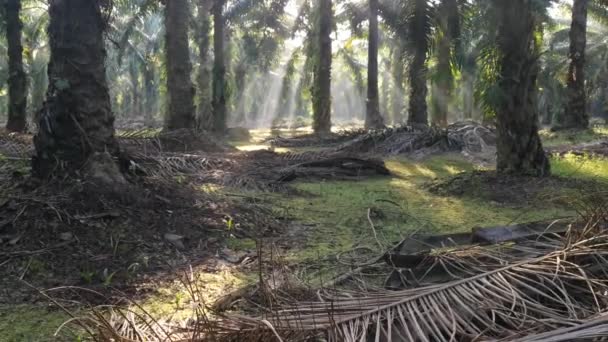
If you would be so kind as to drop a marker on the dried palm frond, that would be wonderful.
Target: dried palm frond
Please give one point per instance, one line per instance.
(535, 294)
(15, 146)
(591, 329)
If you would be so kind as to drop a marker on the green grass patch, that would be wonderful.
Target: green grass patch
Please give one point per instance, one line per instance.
(29, 323)
(581, 167)
(573, 137)
(398, 206)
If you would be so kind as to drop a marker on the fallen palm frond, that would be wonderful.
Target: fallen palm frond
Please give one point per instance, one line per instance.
(525, 292)
(472, 139)
(593, 328)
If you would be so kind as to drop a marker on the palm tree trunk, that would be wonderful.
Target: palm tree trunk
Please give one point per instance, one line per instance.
(39, 86)
(205, 110)
(151, 92)
(398, 95)
(519, 147)
(322, 83)
(77, 121)
(373, 119)
(418, 69)
(219, 69)
(135, 94)
(179, 85)
(576, 115)
(468, 101)
(17, 85)
(448, 21)
(384, 99)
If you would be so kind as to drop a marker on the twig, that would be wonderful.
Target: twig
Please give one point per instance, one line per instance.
(371, 224)
(36, 252)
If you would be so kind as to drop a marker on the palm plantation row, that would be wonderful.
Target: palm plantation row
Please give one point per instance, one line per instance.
(491, 49)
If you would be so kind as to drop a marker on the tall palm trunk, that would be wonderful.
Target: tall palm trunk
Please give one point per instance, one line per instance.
(373, 119)
(205, 111)
(576, 115)
(151, 92)
(17, 85)
(40, 82)
(449, 22)
(135, 109)
(179, 85)
(384, 98)
(219, 69)
(419, 32)
(322, 83)
(398, 95)
(76, 121)
(519, 146)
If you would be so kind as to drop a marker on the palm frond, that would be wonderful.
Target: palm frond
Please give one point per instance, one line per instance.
(522, 292)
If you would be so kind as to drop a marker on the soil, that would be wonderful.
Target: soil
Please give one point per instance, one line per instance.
(73, 233)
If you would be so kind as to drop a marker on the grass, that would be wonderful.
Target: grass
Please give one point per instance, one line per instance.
(569, 137)
(398, 205)
(29, 323)
(173, 300)
(582, 167)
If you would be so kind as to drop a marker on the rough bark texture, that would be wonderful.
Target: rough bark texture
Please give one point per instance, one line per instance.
(418, 70)
(179, 85)
(373, 119)
(322, 83)
(76, 121)
(219, 69)
(17, 85)
(519, 146)
(203, 79)
(575, 115)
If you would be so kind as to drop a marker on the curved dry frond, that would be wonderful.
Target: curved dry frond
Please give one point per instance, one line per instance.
(593, 328)
(516, 291)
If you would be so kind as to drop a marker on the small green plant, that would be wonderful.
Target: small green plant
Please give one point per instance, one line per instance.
(108, 277)
(87, 276)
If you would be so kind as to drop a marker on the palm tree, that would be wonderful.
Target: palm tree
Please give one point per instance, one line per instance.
(205, 111)
(322, 74)
(219, 69)
(17, 84)
(419, 41)
(179, 85)
(448, 17)
(373, 119)
(76, 125)
(519, 146)
(576, 115)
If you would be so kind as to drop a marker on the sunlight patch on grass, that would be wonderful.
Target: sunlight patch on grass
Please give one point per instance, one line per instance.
(174, 300)
(569, 137)
(580, 166)
(398, 205)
